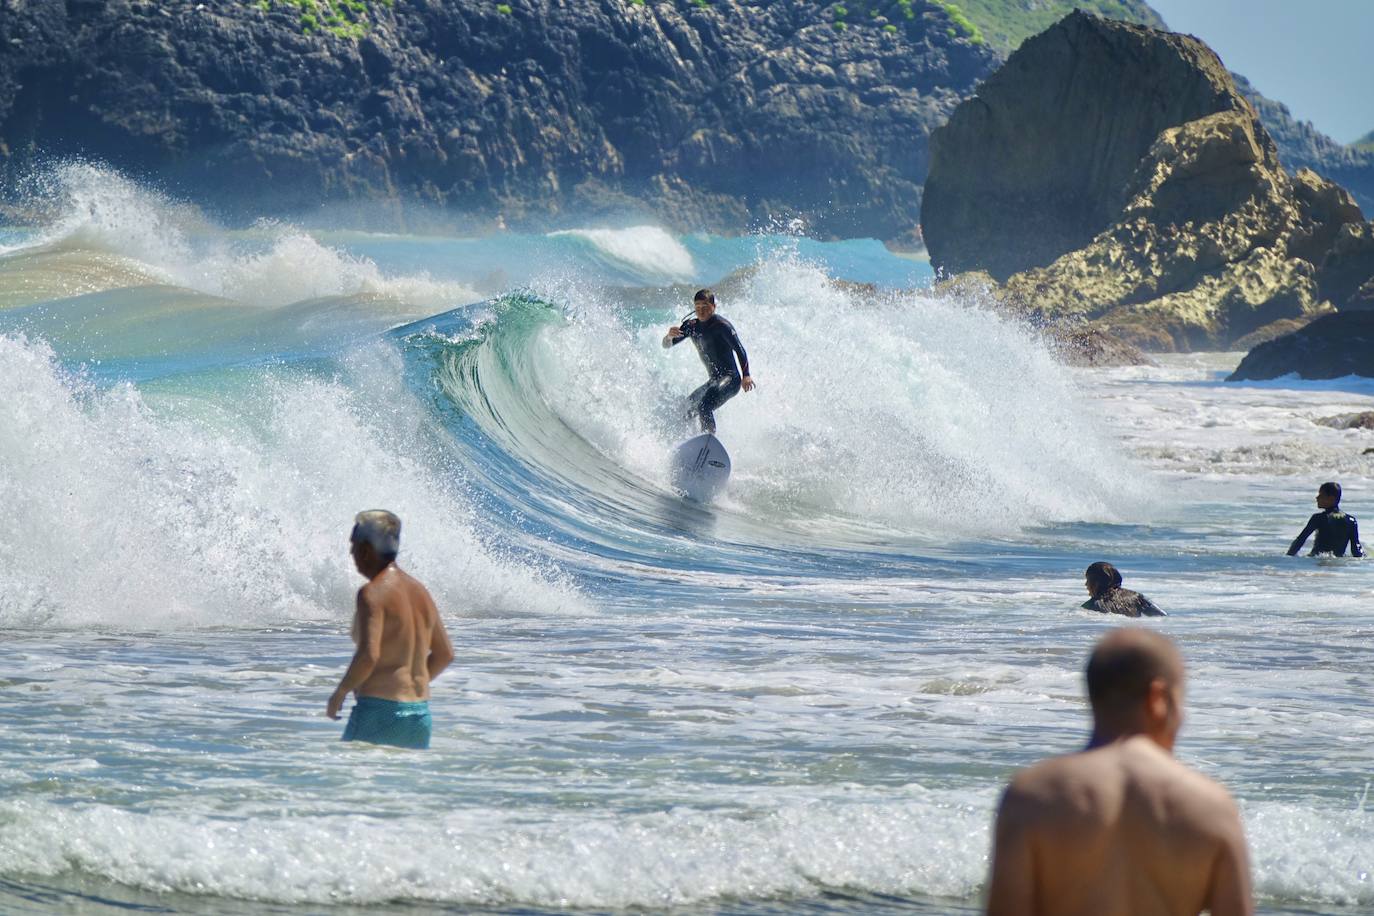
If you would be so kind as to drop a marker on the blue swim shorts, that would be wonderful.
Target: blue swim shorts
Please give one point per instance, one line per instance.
(379, 721)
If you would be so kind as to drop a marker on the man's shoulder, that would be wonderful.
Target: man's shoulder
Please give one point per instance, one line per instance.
(1047, 778)
(1137, 761)
(1154, 768)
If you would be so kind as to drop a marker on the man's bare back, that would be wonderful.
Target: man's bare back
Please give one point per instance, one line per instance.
(398, 612)
(401, 640)
(1121, 828)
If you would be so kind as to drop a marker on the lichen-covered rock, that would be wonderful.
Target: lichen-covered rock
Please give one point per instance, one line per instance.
(1347, 275)
(723, 115)
(1208, 240)
(1333, 346)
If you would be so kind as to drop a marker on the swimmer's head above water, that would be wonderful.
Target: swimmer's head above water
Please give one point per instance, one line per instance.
(1328, 495)
(1100, 578)
(375, 539)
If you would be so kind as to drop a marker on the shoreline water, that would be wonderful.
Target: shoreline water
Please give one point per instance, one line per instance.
(803, 699)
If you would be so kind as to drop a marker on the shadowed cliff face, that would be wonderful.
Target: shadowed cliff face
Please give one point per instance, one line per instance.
(722, 117)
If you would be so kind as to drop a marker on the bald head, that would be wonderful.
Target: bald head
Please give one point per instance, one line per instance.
(1122, 667)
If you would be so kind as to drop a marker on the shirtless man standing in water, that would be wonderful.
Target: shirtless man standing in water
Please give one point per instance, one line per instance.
(402, 644)
(1121, 827)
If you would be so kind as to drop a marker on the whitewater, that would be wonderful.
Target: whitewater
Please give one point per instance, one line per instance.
(804, 698)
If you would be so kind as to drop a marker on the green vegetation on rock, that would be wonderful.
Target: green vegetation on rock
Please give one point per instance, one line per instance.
(344, 18)
(1007, 23)
(961, 22)
(917, 15)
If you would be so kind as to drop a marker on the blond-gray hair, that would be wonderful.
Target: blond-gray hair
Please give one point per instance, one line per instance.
(380, 528)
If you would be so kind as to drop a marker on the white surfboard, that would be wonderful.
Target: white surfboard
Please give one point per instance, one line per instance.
(700, 468)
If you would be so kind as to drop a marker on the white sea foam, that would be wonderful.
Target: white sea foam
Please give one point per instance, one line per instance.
(273, 264)
(913, 842)
(917, 842)
(119, 514)
(649, 251)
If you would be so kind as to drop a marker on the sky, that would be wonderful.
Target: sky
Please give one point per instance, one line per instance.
(1315, 56)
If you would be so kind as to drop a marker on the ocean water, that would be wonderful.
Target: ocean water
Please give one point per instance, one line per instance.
(802, 699)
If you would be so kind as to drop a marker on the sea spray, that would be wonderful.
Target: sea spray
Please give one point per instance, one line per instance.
(121, 512)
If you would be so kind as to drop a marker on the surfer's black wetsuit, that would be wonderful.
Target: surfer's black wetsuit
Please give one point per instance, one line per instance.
(1334, 530)
(717, 344)
(1125, 602)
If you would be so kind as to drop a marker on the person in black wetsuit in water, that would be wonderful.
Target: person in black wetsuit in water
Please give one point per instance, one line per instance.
(1108, 597)
(717, 344)
(1333, 527)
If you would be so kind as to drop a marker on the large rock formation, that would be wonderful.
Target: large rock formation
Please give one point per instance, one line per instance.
(1041, 159)
(1194, 237)
(722, 115)
(1330, 347)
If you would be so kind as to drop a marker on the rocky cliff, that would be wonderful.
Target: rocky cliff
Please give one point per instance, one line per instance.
(720, 114)
(1115, 174)
(1302, 146)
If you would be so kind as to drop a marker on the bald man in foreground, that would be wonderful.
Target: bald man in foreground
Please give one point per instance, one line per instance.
(1122, 827)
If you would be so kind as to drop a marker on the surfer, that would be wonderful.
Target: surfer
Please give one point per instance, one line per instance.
(1334, 528)
(1121, 827)
(402, 644)
(1108, 597)
(717, 344)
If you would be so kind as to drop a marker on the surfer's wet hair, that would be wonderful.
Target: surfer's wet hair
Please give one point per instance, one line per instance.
(1103, 577)
(379, 528)
(1332, 489)
(705, 295)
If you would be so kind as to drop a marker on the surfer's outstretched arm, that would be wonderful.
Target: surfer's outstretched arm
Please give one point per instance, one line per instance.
(1356, 548)
(1306, 533)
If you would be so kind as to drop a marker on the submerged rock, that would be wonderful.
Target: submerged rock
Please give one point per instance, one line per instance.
(1096, 348)
(1363, 420)
(1193, 238)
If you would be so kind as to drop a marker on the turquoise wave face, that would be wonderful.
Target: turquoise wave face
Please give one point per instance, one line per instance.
(565, 416)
